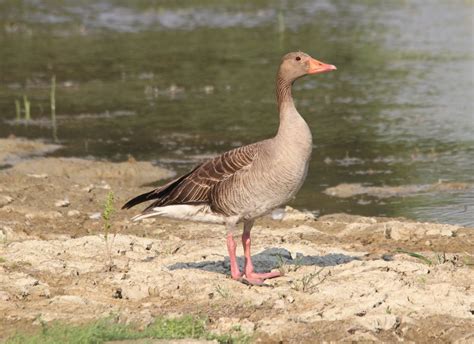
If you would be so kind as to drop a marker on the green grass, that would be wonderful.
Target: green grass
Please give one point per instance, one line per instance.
(106, 330)
(415, 255)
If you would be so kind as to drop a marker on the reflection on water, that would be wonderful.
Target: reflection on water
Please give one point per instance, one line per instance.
(176, 81)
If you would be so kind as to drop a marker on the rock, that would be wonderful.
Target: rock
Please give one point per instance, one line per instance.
(95, 216)
(403, 231)
(37, 176)
(278, 214)
(88, 188)
(82, 171)
(346, 190)
(73, 213)
(12, 150)
(378, 323)
(292, 214)
(50, 215)
(62, 203)
(4, 200)
(25, 285)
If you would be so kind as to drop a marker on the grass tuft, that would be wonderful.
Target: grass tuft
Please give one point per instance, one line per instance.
(415, 255)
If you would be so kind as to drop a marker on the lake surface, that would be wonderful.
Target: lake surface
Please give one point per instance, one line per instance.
(176, 81)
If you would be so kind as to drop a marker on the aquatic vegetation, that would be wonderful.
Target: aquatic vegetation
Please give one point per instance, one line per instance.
(27, 107)
(52, 98)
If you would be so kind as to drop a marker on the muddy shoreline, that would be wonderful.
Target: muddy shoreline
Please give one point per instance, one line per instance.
(346, 277)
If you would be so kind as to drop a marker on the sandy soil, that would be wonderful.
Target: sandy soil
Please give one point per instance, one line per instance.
(346, 277)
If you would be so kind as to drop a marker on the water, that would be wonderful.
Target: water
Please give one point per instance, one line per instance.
(176, 81)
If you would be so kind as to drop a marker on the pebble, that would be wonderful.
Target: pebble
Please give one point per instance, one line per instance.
(43, 215)
(95, 216)
(38, 176)
(4, 200)
(73, 213)
(88, 188)
(278, 214)
(62, 203)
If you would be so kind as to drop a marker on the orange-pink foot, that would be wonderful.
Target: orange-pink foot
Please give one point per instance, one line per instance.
(254, 278)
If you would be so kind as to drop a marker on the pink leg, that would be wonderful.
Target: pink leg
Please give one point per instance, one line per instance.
(232, 247)
(251, 276)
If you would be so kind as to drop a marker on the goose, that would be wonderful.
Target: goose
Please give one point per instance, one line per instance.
(248, 182)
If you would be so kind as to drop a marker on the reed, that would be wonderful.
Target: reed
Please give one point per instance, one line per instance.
(52, 100)
(27, 106)
(18, 109)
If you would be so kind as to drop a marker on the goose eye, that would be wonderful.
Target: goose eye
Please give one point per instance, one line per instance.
(298, 58)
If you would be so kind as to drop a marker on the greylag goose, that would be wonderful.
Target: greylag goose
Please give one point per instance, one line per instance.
(247, 182)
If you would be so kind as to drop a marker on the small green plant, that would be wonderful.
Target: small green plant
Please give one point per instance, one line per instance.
(285, 268)
(415, 255)
(224, 292)
(106, 216)
(306, 284)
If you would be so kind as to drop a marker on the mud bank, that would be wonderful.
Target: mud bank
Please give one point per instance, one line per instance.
(346, 277)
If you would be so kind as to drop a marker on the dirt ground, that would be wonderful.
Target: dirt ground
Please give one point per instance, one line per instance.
(347, 278)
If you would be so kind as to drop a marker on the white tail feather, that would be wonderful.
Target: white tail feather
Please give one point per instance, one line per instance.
(199, 213)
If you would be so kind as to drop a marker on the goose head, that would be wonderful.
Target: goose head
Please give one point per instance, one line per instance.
(297, 64)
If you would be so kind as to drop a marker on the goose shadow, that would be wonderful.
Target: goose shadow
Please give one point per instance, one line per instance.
(269, 259)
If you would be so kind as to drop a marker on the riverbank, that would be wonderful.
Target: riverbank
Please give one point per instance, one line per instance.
(346, 277)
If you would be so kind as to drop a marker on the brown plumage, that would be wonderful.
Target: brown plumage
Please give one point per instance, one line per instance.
(197, 186)
(247, 182)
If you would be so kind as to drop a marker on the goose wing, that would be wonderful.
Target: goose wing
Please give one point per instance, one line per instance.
(195, 186)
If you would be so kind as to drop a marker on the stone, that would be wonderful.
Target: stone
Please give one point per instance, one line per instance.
(62, 203)
(73, 213)
(378, 323)
(95, 216)
(49, 215)
(292, 214)
(4, 200)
